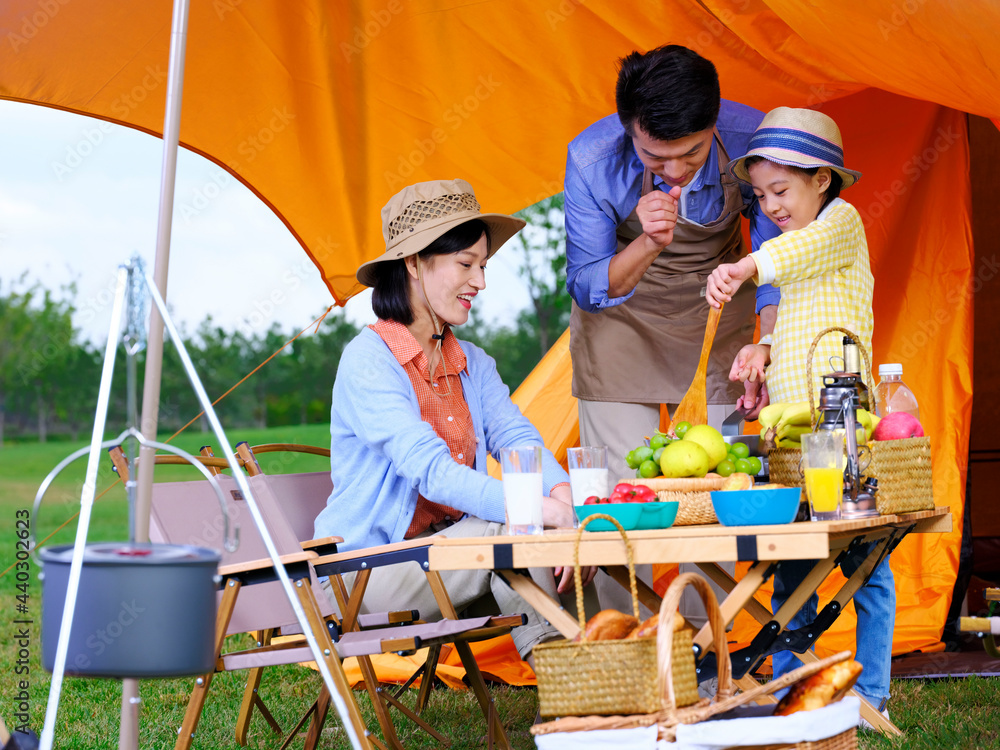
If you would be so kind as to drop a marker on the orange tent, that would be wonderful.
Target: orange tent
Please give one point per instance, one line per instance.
(326, 108)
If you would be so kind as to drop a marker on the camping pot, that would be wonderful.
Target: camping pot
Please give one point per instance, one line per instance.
(142, 610)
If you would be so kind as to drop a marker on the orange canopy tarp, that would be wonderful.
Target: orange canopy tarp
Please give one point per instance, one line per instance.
(324, 109)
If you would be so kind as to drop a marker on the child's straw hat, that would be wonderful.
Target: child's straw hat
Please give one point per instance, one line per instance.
(797, 138)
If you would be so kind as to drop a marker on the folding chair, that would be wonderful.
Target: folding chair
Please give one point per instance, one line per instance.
(300, 497)
(189, 513)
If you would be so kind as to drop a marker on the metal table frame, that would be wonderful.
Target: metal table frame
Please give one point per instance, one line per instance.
(706, 545)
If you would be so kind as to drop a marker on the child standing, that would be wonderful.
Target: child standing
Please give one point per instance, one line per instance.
(795, 164)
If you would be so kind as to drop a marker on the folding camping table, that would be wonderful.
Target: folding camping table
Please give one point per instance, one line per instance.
(765, 547)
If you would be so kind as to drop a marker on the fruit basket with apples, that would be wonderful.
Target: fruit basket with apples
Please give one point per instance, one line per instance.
(687, 465)
(900, 452)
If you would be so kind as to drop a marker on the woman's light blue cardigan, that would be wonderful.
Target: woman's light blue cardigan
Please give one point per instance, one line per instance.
(383, 454)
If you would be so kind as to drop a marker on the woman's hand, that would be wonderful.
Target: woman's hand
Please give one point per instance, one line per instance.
(557, 512)
(564, 576)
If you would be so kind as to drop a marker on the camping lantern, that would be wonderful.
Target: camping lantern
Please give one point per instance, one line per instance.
(142, 610)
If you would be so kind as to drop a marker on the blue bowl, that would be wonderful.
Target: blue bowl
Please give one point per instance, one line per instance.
(763, 507)
(632, 516)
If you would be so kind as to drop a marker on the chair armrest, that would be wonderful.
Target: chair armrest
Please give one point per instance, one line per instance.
(264, 564)
(415, 550)
(326, 545)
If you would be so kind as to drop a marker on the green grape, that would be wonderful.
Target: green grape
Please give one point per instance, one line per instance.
(631, 460)
(743, 466)
(755, 465)
(649, 469)
(725, 468)
(642, 453)
(740, 450)
(657, 453)
(681, 428)
(658, 441)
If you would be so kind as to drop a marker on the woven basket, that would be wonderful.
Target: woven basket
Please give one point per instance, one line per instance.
(692, 494)
(667, 718)
(783, 466)
(903, 469)
(579, 678)
(844, 741)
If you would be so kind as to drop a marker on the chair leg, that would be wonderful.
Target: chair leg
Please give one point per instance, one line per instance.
(251, 696)
(321, 708)
(478, 685)
(200, 691)
(322, 635)
(427, 684)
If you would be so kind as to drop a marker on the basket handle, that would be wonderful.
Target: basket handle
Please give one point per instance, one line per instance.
(813, 419)
(665, 637)
(576, 569)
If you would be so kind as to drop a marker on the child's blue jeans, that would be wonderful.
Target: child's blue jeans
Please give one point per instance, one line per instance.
(875, 604)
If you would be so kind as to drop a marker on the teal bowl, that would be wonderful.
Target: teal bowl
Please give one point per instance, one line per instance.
(764, 507)
(632, 516)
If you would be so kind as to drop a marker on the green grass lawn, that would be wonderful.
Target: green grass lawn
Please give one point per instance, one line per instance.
(932, 714)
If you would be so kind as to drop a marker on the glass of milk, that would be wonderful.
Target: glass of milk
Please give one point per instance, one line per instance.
(522, 489)
(588, 472)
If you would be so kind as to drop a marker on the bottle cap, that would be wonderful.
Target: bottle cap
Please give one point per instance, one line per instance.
(890, 369)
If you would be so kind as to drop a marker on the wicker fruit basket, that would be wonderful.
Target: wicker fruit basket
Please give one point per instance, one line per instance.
(692, 493)
(902, 467)
(669, 714)
(579, 678)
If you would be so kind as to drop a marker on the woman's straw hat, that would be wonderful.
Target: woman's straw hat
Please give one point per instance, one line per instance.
(419, 214)
(797, 138)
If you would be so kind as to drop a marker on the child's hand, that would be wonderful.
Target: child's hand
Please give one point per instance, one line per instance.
(727, 278)
(722, 285)
(749, 367)
(750, 363)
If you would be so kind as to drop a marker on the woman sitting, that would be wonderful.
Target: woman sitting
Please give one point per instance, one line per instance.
(416, 411)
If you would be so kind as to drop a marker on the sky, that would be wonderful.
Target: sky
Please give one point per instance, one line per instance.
(79, 197)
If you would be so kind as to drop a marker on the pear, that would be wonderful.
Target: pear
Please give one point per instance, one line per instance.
(711, 440)
(684, 458)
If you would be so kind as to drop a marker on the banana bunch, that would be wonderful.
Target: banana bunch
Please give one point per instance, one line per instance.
(782, 425)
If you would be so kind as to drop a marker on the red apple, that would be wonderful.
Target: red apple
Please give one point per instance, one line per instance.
(897, 425)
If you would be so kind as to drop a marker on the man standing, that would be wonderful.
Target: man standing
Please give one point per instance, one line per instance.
(650, 212)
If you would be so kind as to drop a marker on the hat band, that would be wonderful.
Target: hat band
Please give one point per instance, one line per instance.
(797, 141)
(440, 207)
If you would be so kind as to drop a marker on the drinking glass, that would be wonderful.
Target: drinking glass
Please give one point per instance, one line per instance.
(823, 469)
(522, 489)
(588, 472)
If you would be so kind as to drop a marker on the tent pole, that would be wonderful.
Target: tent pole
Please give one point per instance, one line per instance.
(128, 737)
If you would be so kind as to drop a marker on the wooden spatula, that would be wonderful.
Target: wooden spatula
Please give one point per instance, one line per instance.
(693, 408)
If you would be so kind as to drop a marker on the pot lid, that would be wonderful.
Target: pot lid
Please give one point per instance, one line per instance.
(133, 553)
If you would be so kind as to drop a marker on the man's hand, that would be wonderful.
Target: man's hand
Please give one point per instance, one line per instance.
(658, 213)
(727, 278)
(749, 367)
(755, 399)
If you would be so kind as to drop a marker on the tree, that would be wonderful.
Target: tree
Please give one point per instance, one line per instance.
(36, 342)
(542, 245)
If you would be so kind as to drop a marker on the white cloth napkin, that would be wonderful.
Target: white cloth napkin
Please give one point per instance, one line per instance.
(641, 738)
(804, 726)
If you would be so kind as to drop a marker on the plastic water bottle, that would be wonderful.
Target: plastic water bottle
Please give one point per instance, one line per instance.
(891, 394)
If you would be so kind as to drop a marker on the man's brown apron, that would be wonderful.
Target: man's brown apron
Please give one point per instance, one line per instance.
(646, 349)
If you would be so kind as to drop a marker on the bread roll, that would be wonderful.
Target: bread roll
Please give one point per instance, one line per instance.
(648, 628)
(609, 625)
(820, 689)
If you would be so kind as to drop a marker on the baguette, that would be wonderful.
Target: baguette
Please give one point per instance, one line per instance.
(821, 689)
